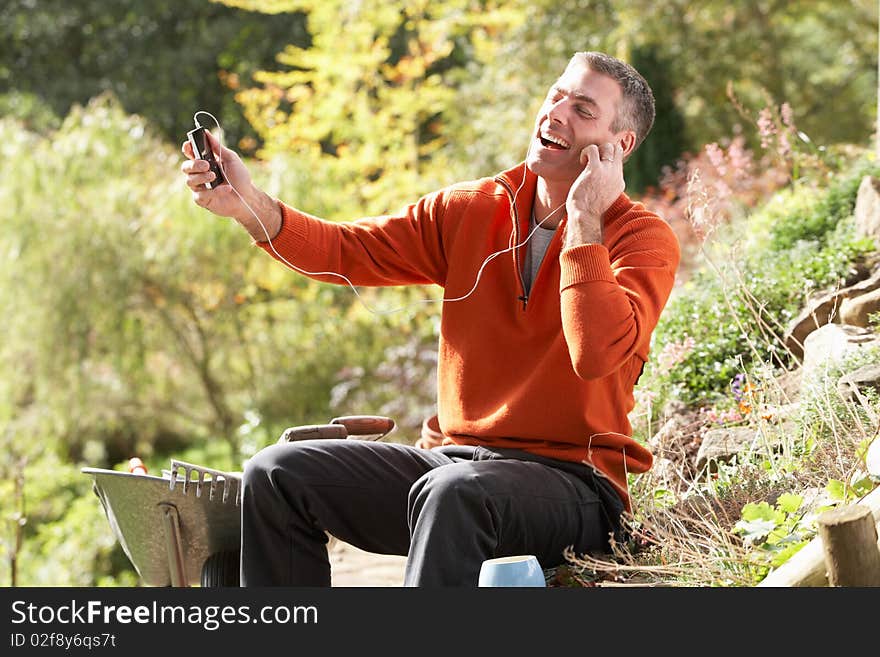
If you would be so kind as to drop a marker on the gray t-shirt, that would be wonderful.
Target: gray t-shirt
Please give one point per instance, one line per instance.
(535, 250)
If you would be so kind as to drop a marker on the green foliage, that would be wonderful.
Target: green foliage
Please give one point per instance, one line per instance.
(777, 50)
(812, 245)
(164, 59)
(66, 540)
(825, 415)
(364, 103)
(809, 219)
(773, 535)
(777, 533)
(846, 493)
(137, 324)
(666, 142)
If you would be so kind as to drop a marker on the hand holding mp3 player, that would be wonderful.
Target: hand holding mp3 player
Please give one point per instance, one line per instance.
(231, 193)
(202, 151)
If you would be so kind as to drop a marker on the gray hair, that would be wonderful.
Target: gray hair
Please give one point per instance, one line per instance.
(636, 109)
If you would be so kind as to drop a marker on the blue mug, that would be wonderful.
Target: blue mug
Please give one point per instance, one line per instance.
(521, 570)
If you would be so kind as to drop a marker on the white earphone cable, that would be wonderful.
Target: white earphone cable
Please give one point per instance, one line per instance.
(345, 278)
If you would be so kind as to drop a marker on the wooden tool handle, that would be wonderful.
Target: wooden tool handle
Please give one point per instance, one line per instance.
(364, 425)
(312, 431)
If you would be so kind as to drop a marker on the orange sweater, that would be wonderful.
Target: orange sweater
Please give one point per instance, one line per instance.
(552, 374)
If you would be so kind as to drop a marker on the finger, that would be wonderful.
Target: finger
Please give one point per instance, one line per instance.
(590, 154)
(202, 197)
(197, 181)
(194, 166)
(219, 149)
(187, 149)
(618, 154)
(606, 153)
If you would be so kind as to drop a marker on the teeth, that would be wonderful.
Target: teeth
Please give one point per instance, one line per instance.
(555, 140)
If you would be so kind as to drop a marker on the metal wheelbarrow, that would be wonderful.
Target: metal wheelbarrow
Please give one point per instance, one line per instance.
(184, 528)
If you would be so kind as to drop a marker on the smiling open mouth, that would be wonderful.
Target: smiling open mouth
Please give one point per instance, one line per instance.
(553, 143)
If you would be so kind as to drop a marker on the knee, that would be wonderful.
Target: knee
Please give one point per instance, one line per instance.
(263, 469)
(448, 488)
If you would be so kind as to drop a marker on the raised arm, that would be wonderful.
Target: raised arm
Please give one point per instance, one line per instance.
(613, 293)
(405, 248)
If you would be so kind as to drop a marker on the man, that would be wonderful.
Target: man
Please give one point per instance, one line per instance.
(538, 356)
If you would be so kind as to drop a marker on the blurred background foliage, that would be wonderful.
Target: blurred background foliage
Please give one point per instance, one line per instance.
(137, 324)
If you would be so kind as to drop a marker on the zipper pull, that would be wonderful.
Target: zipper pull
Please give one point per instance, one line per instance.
(524, 299)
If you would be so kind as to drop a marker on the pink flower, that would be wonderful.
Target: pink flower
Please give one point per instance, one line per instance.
(675, 352)
(716, 157)
(784, 146)
(740, 159)
(766, 127)
(787, 115)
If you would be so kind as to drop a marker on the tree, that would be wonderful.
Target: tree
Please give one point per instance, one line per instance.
(365, 102)
(163, 59)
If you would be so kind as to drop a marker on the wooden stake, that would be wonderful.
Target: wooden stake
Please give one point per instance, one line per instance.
(849, 541)
(807, 567)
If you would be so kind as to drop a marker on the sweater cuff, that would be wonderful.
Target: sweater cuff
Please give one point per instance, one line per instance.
(586, 263)
(293, 235)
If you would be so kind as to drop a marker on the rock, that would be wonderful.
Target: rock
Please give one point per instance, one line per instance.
(826, 308)
(788, 385)
(830, 344)
(818, 312)
(870, 281)
(863, 268)
(867, 211)
(721, 445)
(851, 385)
(855, 310)
(815, 498)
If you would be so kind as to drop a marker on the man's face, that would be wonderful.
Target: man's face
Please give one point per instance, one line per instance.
(578, 111)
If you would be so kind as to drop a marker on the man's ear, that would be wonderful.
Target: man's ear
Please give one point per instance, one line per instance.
(627, 141)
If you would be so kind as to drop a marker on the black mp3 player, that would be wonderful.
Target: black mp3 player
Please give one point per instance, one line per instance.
(202, 151)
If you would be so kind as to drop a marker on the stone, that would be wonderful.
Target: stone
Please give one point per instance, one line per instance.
(826, 309)
(853, 384)
(870, 281)
(721, 445)
(818, 312)
(831, 344)
(867, 211)
(788, 385)
(855, 310)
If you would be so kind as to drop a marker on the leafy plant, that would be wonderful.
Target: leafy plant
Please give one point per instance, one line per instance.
(776, 533)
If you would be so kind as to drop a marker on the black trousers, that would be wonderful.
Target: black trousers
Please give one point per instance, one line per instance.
(448, 509)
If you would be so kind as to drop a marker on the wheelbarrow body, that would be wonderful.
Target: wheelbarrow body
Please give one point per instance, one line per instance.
(170, 526)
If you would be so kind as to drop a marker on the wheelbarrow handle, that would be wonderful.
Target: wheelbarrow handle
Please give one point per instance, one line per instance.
(312, 431)
(365, 425)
